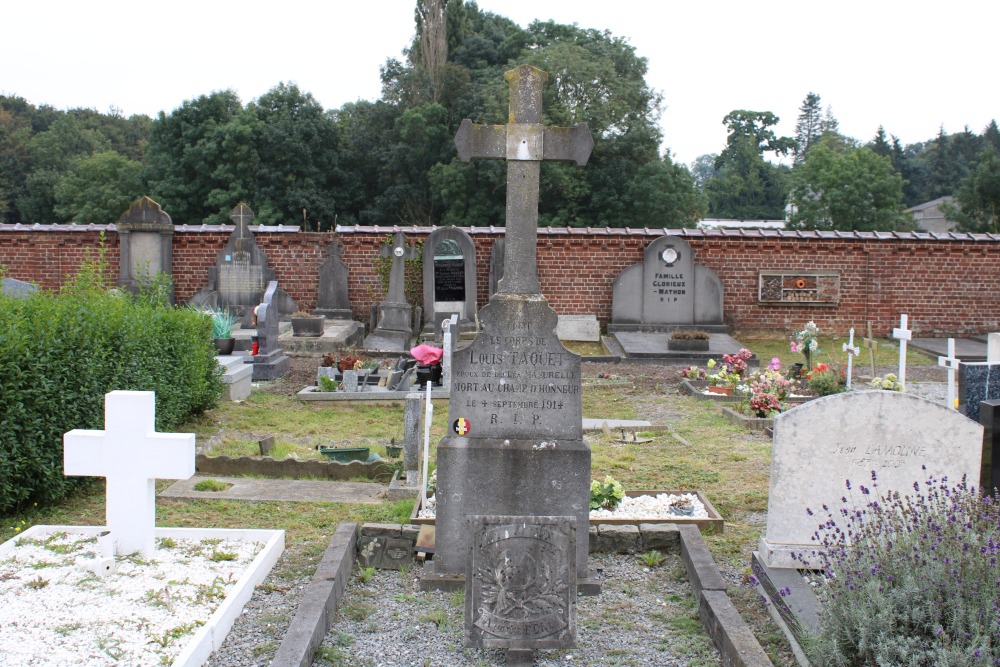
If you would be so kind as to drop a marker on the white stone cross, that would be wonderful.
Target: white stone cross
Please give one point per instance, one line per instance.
(951, 363)
(852, 351)
(902, 334)
(132, 456)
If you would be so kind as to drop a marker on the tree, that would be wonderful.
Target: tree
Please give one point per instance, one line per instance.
(703, 169)
(809, 127)
(663, 194)
(880, 144)
(748, 187)
(979, 197)
(98, 189)
(852, 189)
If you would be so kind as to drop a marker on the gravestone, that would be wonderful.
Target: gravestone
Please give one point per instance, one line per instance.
(449, 340)
(394, 329)
(667, 291)
(449, 273)
(145, 239)
(332, 300)
(977, 381)
(821, 444)
(989, 417)
(523, 583)
(515, 450)
(131, 455)
(270, 362)
(241, 274)
(17, 288)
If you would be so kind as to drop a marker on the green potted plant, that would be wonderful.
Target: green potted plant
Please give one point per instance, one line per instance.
(307, 325)
(222, 328)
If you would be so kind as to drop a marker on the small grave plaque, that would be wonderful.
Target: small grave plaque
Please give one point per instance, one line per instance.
(521, 582)
(396, 554)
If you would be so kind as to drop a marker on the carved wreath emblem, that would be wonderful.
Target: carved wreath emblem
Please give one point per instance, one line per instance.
(517, 587)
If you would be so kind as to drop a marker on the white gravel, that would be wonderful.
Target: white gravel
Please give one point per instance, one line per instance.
(55, 612)
(661, 506)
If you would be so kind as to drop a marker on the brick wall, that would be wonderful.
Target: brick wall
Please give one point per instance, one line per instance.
(948, 284)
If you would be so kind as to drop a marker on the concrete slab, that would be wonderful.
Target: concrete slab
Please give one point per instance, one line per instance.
(337, 334)
(289, 490)
(967, 349)
(653, 345)
(598, 424)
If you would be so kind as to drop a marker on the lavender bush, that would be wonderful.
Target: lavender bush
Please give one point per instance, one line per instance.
(919, 584)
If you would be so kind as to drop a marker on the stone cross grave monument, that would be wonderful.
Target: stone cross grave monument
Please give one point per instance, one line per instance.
(394, 328)
(515, 463)
(132, 456)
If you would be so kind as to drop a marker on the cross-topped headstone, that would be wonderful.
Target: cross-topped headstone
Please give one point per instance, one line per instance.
(871, 345)
(852, 351)
(902, 334)
(332, 299)
(399, 251)
(242, 216)
(524, 142)
(951, 363)
(132, 456)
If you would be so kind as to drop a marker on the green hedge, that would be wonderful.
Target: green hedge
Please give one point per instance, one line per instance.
(60, 354)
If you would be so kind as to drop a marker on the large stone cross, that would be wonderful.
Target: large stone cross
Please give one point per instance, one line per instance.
(524, 142)
(242, 216)
(132, 456)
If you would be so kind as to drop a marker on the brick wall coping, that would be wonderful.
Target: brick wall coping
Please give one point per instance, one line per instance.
(265, 229)
(692, 233)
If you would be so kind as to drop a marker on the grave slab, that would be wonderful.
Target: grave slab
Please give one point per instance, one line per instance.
(653, 345)
(16, 288)
(967, 349)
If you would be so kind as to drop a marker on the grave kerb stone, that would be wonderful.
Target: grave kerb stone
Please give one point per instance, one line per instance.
(821, 444)
(131, 455)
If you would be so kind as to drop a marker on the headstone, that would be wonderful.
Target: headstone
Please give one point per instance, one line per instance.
(449, 273)
(394, 329)
(411, 439)
(523, 583)
(384, 552)
(145, 240)
(667, 289)
(131, 455)
(579, 328)
(977, 381)
(350, 381)
(266, 445)
(852, 351)
(951, 362)
(241, 274)
(17, 288)
(515, 445)
(902, 334)
(496, 266)
(332, 301)
(989, 417)
(270, 362)
(993, 348)
(822, 444)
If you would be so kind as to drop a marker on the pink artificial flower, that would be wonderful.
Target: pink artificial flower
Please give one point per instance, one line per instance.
(775, 364)
(795, 348)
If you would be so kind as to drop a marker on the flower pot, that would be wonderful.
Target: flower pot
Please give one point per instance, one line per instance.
(308, 327)
(225, 345)
(725, 391)
(393, 451)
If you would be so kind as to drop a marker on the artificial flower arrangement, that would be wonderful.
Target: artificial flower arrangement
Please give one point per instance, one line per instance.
(824, 380)
(806, 342)
(889, 383)
(764, 392)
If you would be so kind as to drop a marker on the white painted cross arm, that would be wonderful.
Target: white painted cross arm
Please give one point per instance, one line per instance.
(132, 456)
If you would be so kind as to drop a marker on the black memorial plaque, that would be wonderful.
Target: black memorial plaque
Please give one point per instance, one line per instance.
(449, 280)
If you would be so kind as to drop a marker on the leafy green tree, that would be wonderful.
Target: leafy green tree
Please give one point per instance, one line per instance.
(703, 169)
(749, 187)
(663, 194)
(846, 189)
(979, 197)
(99, 188)
(880, 144)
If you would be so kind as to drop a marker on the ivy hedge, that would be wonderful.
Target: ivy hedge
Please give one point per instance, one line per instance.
(60, 354)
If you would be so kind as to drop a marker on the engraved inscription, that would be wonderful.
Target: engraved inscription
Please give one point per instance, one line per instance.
(241, 277)
(876, 456)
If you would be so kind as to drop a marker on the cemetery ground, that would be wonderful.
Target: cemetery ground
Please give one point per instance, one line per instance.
(692, 448)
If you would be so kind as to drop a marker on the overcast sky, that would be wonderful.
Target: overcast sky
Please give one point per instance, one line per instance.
(909, 66)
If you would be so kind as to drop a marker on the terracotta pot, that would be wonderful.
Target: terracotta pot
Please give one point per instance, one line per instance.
(725, 391)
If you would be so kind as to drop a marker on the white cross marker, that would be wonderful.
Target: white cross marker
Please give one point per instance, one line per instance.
(851, 351)
(131, 455)
(902, 334)
(951, 363)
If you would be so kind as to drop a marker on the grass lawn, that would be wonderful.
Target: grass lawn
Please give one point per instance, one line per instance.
(831, 352)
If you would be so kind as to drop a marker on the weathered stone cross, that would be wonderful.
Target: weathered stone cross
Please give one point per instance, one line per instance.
(871, 345)
(132, 456)
(902, 334)
(852, 351)
(524, 142)
(242, 216)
